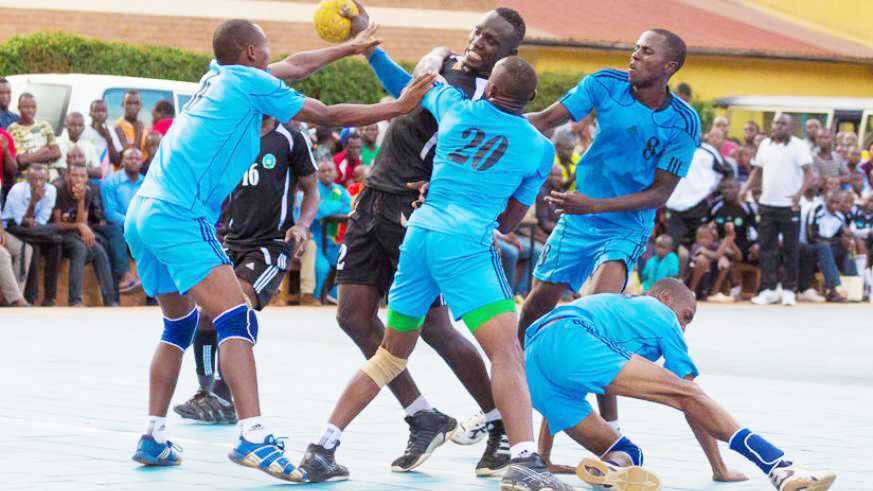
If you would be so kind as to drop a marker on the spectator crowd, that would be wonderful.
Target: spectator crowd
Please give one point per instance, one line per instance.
(768, 216)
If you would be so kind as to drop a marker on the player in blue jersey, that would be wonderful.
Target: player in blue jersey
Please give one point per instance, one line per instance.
(646, 137)
(489, 165)
(607, 343)
(169, 225)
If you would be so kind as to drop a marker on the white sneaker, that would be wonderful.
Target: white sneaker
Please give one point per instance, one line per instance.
(471, 431)
(796, 478)
(720, 297)
(789, 299)
(810, 295)
(766, 297)
(737, 293)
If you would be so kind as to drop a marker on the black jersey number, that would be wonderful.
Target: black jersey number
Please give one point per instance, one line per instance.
(487, 154)
(652, 148)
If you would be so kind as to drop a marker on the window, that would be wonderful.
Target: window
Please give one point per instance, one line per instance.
(115, 97)
(51, 102)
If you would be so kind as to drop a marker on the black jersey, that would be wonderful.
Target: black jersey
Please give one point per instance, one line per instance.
(408, 147)
(741, 215)
(259, 210)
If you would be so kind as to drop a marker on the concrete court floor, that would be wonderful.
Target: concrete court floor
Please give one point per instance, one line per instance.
(74, 399)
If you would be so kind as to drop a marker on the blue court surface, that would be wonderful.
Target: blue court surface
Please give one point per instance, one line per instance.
(74, 390)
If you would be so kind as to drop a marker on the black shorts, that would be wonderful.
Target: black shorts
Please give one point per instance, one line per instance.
(262, 267)
(371, 247)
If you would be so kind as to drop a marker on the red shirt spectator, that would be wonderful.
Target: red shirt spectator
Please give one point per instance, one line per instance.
(348, 159)
(163, 126)
(8, 166)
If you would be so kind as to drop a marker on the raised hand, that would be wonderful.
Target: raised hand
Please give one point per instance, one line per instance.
(412, 94)
(364, 40)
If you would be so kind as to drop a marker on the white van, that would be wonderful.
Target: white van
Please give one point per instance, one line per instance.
(59, 94)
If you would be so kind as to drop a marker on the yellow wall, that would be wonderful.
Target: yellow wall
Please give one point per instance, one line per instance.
(845, 18)
(711, 77)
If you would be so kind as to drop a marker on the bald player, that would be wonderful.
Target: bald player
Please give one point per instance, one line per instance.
(607, 344)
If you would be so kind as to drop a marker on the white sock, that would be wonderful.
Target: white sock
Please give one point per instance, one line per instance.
(330, 437)
(614, 425)
(861, 264)
(493, 415)
(156, 427)
(252, 430)
(420, 404)
(523, 449)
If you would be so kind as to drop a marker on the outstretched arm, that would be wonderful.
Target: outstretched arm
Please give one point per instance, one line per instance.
(709, 444)
(301, 65)
(654, 197)
(550, 117)
(315, 111)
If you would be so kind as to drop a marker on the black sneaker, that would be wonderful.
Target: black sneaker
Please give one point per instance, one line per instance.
(427, 431)
(495, 460)
(319, 465)
(207, 408)
(529, 474)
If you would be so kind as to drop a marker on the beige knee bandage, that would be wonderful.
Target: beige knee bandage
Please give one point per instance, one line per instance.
(383, 367)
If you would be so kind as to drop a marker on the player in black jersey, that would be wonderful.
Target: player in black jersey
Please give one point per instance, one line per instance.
(260, 236)
(368, 258)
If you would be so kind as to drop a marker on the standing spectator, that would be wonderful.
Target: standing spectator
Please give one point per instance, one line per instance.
(105, 140)
(566, 156)
(348, 159)
(856, 180)
(14, 262)
(34, 140)
(8, 164)
(750, 131)
(7, 117)
(370, 147)
(162, 116)
(782, 168)
(727, 146)
(683, 90)
(826, 227)
(27, 211)
(118, 188)
(77, 206)
(812, 127)
(130, 130)
(826, 162)
(74, 124)
(664, 264)
(335, 200)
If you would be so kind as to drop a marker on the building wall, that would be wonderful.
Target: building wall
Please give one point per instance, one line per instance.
(844, 18)
(474, 5)
(720, 76)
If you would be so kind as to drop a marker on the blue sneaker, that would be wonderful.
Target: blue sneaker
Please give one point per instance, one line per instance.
(268, 457)
(150, 452)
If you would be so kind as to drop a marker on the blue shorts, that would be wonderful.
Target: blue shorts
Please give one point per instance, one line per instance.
(573, 253)
(173, 250)
(565, 361)
(467, 272)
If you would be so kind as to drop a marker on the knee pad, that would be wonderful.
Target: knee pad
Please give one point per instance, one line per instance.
(383, 367)
(239, 322)
(180, 332)
(624, 444)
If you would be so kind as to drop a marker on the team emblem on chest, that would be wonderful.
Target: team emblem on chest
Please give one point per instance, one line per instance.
(269, 161)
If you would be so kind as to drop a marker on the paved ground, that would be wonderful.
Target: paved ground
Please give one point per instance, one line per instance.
(74, 396)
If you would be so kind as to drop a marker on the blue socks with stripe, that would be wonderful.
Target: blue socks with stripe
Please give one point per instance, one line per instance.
(624, 444)
(758, 450)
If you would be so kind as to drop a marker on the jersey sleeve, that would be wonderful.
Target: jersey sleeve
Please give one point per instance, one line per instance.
(440, 99)
(272, 97)
(391, 75)
(302, 160)
(529, 188)
(586, 95)
(679, 151)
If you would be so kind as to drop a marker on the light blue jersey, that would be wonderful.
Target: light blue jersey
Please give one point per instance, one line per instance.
(632, 141)
(216, 137)
(484, 157)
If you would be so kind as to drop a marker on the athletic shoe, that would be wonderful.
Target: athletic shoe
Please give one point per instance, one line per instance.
(427, 431)
(604, 476)
(530, 474)
(471, 431)
(810, 295)
(720, 298)
(789, 299)
(795, 478)
(833, 296)
(766, 297)
(319, 465)
(737, 293)
(206, 407)
(149, 452)
(268, 456)
(132, 285)
(495, 460)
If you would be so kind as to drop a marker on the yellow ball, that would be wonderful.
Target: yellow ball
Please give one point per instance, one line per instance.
(329, 21)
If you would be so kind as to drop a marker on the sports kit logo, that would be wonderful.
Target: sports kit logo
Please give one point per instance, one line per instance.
(269, 161)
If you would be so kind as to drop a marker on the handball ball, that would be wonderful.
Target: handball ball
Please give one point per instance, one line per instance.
(330, 23)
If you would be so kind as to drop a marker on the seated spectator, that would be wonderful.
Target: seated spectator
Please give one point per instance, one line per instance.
(710, 256)
(335, 200)
(735, 221)
(859, 220)
(8, 164)
(856, 181)
(325, 141)
(826, 228)
(26, 214)
(807, 259)
(546, 215)
(76, 207)
(7, 117)
(104, 138)
(162, 116)
(118, 188)
(130, 130)
(369, 146)
(74, 125)
(358, 181)
(664, 264)
(15, 258)
(348, 159)
(825, 160)
(152, 142)
(35, 141)
(566, 157)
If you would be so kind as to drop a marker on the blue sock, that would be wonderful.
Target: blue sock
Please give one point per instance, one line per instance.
(624, 444)
(758, 450)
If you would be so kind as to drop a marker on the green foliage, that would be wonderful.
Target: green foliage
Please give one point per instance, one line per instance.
(552, 86)
(706, 110)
